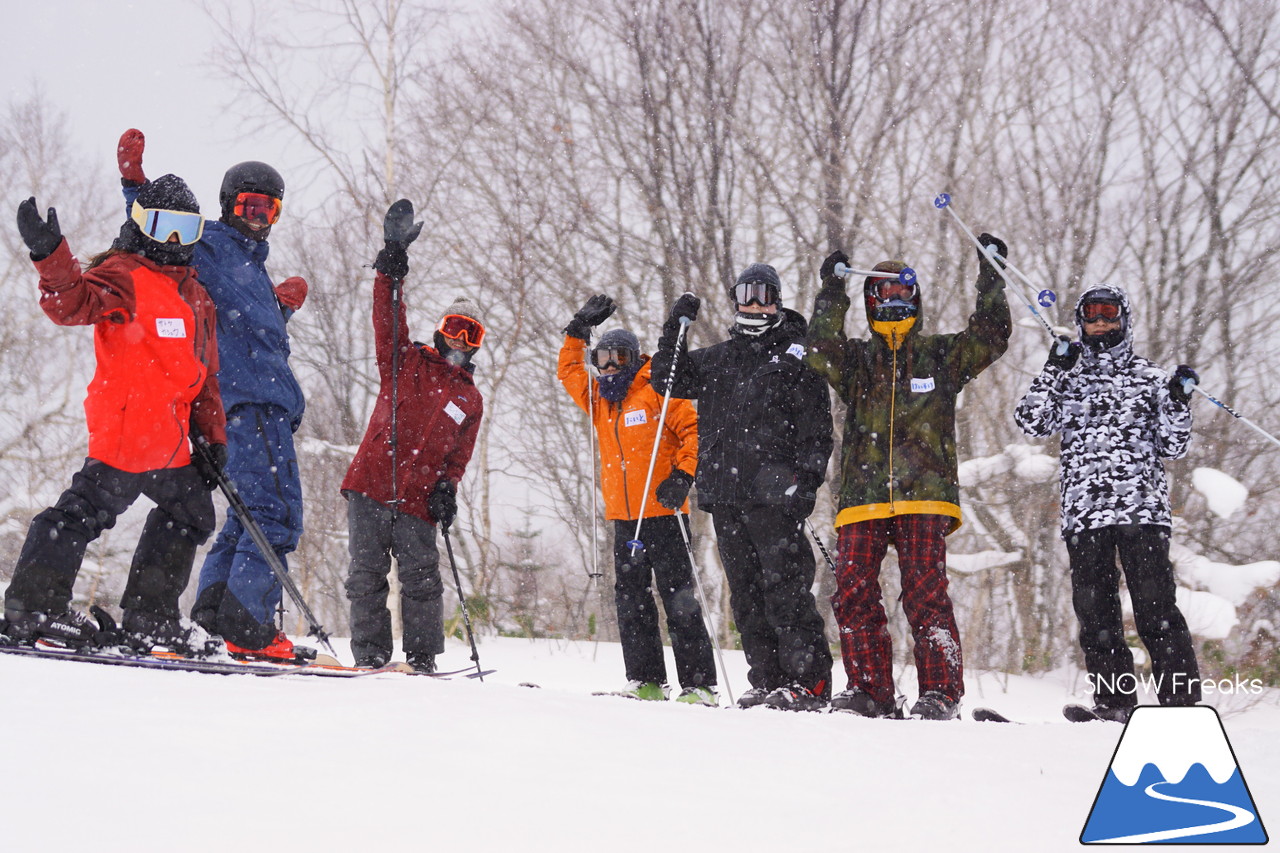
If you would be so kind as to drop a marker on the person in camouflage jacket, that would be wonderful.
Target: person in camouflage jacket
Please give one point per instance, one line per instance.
(899, 479)
(1119, 415)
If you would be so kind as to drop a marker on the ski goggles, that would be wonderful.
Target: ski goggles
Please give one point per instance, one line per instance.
(758, 292)
(459, 327)
(160, 225)
(889, 289)
(257, 207)
(1091, 311)
(606, 357)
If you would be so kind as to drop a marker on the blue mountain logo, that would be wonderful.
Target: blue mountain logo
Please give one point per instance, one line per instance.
(1174, 779)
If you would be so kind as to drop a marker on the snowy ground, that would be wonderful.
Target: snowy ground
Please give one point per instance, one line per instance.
(109, 759)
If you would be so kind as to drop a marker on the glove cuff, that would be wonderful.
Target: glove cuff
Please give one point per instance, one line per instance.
(578, 328)
(392, 261)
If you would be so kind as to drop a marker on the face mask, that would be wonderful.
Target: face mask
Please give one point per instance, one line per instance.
(456, 356)
(755, 324)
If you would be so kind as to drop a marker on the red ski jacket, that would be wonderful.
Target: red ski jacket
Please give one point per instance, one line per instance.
(438, 414)
(155, 338)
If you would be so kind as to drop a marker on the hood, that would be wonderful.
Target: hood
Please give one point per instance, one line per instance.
(1117, 293)
(888, 330)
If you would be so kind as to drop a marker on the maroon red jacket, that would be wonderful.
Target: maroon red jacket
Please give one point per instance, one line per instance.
(437, 417)
(155, 338)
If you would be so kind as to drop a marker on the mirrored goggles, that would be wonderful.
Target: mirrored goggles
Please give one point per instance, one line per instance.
(603, 358)
(257, 207)
(889, 289)
(1091, 311)
(459, 327)
(160, 225)
(759, 292)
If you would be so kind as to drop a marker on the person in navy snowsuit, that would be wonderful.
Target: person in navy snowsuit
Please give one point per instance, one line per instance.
(238, 592)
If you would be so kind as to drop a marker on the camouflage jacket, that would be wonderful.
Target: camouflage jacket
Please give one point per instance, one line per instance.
(1117, 422)
(899, 451)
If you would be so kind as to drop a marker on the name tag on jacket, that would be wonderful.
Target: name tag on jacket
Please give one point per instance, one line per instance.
(919, 386)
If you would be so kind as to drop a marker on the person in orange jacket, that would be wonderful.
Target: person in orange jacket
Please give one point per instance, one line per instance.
(155, 390)
(626, 410)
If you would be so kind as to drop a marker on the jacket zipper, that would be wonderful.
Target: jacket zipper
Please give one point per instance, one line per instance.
(893, 403)
(622, 457)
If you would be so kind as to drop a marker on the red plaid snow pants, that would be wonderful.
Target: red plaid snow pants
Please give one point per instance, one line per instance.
(865, 645)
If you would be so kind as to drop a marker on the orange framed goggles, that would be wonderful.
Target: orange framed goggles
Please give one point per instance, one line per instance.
(257, 207)
(461, 328)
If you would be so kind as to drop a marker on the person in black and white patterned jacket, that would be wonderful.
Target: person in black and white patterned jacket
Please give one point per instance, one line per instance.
(1119, 415)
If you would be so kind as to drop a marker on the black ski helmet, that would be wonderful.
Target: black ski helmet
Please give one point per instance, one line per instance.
(251, 176)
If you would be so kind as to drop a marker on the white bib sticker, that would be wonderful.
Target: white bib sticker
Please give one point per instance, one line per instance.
(170, 327)
(451, 409)
(919, 386)
(797, 350)
(636, 418)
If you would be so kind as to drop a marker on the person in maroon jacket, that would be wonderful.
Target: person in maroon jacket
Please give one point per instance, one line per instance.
(404, 477)
(154, 390)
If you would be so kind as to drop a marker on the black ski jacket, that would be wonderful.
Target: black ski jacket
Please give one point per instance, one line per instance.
(764, 418)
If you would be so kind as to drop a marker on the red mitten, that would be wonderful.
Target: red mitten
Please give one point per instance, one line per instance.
(129, 156)
(292, 292)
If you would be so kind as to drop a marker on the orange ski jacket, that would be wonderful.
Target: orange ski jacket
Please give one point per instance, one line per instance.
(626, 431)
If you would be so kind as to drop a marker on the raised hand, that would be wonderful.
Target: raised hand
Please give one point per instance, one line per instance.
(40, 236)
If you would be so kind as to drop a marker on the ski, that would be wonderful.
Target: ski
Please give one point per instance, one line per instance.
(987, 715)
(171, 661)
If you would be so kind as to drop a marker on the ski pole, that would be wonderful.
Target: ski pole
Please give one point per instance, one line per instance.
(259, 538)
(635, 544)
(823, 548)
(706, 611)
(462, 602)
(1230, 411)
(595, 514)
(907, 276)
(1046, 297)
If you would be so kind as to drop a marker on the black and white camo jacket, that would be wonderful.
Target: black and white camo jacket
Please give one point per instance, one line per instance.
(1117, 422)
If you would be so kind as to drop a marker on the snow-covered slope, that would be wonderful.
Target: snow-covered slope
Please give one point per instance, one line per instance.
(109, 759)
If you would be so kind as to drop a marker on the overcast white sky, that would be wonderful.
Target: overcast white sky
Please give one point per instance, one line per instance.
(113, 65)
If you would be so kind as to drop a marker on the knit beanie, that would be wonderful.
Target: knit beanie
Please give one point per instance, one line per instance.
(465, 307)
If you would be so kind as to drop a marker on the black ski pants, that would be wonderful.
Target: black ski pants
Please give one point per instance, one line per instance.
(1095, 587)
(664, 559)
(375, 533)
(181, 521)
(770, 567)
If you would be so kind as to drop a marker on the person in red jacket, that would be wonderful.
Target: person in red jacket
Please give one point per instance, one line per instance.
(625, 410)
(404, 477)
(154, 391)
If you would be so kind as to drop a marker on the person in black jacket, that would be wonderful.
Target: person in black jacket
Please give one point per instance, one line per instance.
(764, 438)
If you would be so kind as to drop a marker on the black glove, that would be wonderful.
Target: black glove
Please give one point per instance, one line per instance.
(828, 271)
(211, 463)
(41, 237)
(398, 231)
(443, 503)
(595, 312)
(686, 306)
(985, 270)
(1064, 353)
(672, 491)
(1182, 382)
